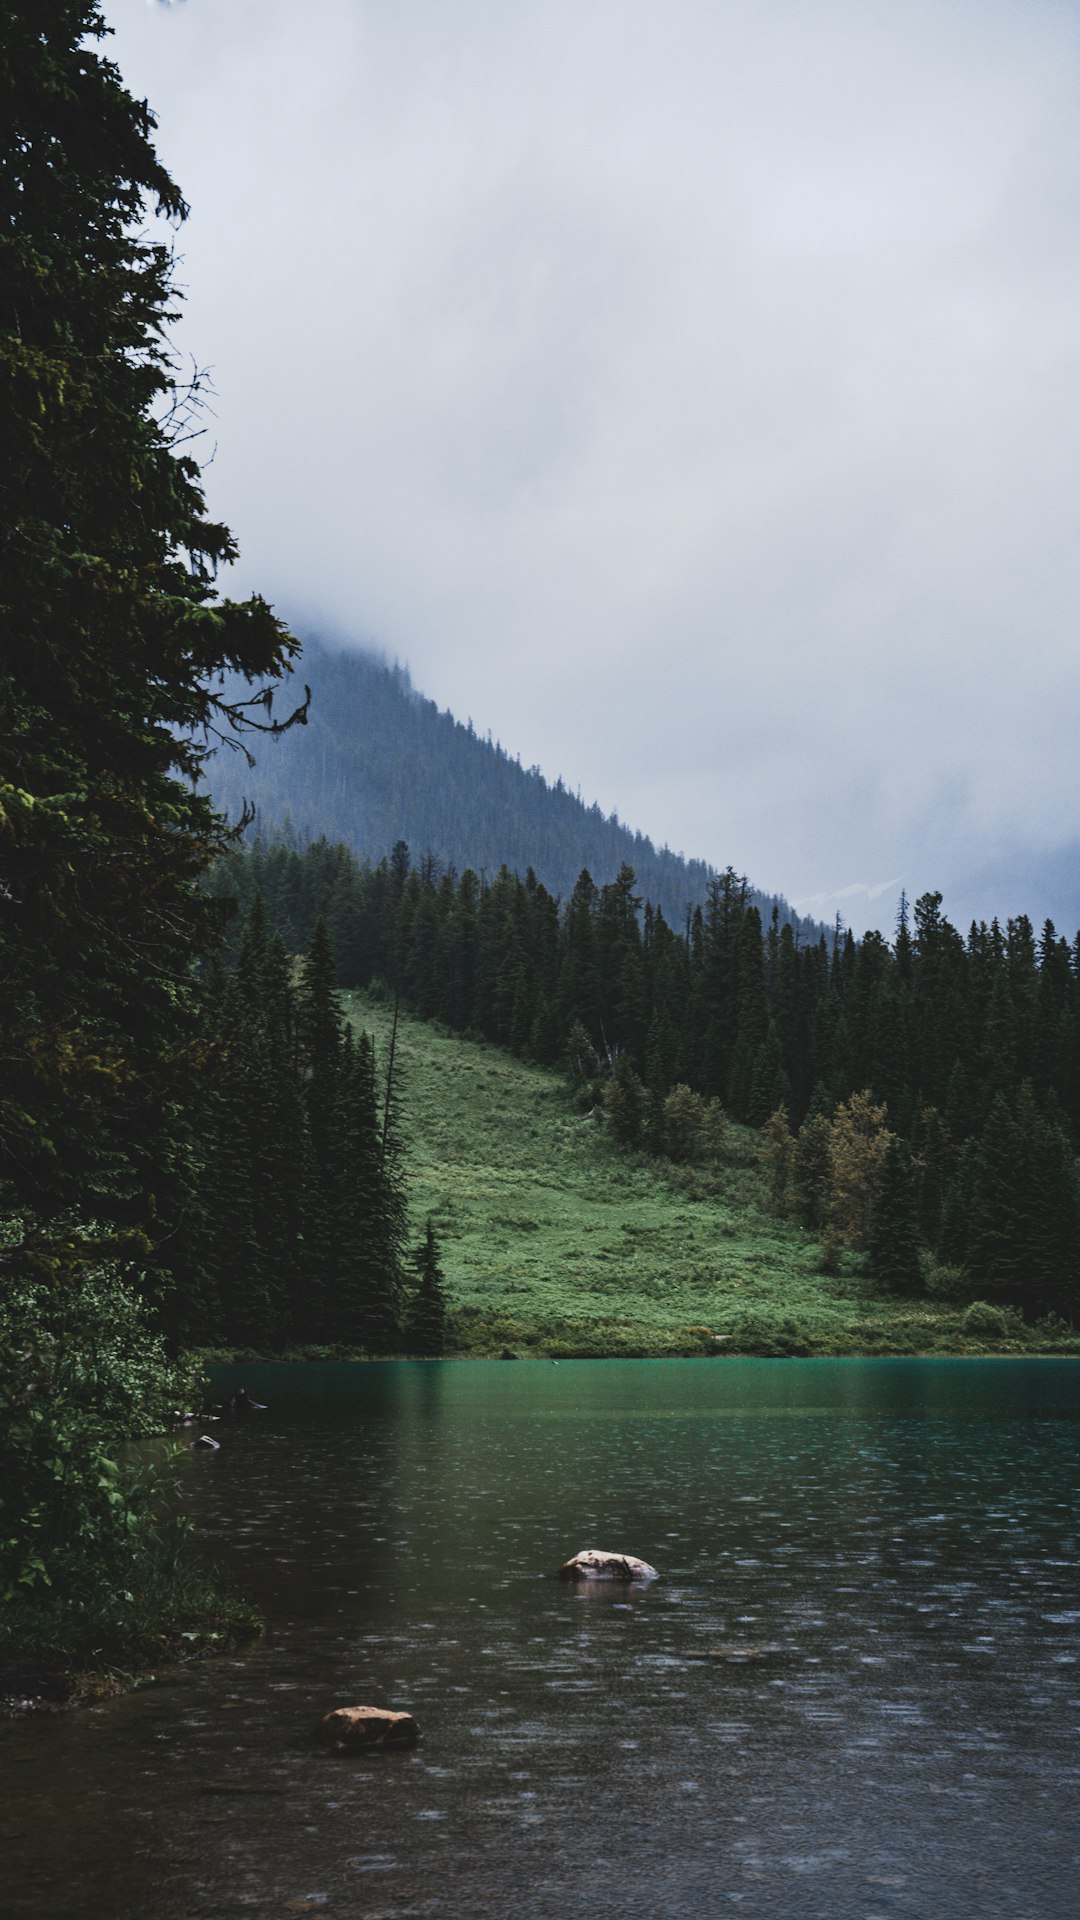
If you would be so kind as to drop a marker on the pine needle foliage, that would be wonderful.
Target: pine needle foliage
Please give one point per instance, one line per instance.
(114, 641)
(425, 1325)
(303, 1210)
(113, 649)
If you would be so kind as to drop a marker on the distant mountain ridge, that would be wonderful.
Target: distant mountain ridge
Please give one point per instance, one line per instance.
(378, 763)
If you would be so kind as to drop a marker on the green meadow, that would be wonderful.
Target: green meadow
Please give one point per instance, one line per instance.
(554, 1242)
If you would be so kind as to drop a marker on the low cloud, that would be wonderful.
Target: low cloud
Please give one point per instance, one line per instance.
(691, 394)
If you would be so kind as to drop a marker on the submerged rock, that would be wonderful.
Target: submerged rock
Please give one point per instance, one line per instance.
(351, 1729)
(591, 1564)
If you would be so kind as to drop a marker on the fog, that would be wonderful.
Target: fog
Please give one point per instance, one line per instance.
(688, 393)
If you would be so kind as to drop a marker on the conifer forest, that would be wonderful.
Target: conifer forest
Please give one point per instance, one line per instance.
(919, 1098)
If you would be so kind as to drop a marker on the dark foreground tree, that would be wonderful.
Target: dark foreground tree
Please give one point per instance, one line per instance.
(112, 652)
(114, 643)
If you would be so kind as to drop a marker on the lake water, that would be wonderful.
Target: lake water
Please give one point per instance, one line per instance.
(854, 1691)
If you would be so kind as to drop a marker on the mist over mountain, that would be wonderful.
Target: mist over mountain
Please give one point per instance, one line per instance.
(378, 762)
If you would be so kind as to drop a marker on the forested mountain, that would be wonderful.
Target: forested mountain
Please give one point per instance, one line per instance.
(379, 763)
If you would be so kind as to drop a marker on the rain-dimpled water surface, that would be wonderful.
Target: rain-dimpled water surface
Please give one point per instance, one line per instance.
(852, 1692)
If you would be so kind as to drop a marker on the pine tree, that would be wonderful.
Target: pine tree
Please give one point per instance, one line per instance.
(769, 1085)
(320, 1011)
(624, 1100)
(113, 648)
(893, 1247)
(425, 1323)
(779, 1155)
(1021, 1229)
(933, 1162)
(811, 1171)
(684, 1113)
(362, 1295)
(713, 1131)
(624, 1016)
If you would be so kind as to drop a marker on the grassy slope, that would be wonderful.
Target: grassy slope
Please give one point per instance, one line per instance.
(555, 1242)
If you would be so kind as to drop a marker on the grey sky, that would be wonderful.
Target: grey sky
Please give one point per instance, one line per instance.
(688, 392)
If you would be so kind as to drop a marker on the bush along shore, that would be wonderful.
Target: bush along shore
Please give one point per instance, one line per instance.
(100, 1585)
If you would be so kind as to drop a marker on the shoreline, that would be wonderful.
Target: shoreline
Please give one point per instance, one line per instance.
(559, 1349)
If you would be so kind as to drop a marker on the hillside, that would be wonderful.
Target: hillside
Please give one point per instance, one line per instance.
(378, 763)
(555, 1243)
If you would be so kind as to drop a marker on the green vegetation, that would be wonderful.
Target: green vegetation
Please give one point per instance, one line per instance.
(966, 1054)
(555, 1241)
(301, 1220)
(425, 1322)
(115, 644)
(189, 1153)
(95, 1577)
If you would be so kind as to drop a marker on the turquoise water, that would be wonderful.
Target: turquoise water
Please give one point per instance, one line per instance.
(853, 1691)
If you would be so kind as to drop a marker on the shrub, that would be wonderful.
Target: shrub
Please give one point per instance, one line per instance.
(986, 1322)
(684, 1113)
(86, 1555)
(945, 1282)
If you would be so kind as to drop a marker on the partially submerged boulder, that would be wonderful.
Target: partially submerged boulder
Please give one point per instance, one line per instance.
(591, 1564)
(353, 1729)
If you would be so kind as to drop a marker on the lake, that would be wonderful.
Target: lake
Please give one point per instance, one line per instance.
(853, 1692)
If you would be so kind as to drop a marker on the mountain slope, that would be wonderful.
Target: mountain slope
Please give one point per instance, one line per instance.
(553, 1241)
(378, 763)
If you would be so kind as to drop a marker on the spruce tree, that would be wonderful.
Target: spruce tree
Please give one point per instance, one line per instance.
(769, 1085)
(624, 1100)
(425, 1323)
(1023, 1222)
(361, 1291)
(779, 1156)
(113, 651)
(114, 642)
(811, 1169)
(893, 1249)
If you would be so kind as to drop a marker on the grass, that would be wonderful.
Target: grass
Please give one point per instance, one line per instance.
(554, 1242)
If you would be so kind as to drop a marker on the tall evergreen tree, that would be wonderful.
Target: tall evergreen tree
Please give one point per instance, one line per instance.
(113, 646)
(425, 1324)
(893, 1249)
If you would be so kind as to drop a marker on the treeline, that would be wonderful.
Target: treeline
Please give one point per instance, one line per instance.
(300, 1211)
(965, 1050)
(378, 762)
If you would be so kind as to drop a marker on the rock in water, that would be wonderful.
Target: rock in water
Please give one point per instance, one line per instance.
(352, 1729)
(591, 1564)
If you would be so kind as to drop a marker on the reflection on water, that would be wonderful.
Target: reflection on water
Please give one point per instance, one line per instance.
(853, 1692)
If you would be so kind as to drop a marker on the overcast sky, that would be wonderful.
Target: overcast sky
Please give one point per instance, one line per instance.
(687, 391)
